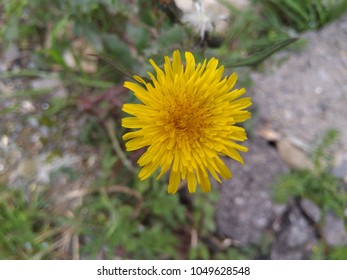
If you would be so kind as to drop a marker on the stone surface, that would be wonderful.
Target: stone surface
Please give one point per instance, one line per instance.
(301, 99)
(306, 95)
(245, 210)
(311, 210)
(295, 236)
(334, 231)
(340, 170)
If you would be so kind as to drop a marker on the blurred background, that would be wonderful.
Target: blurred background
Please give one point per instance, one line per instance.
(68, 189)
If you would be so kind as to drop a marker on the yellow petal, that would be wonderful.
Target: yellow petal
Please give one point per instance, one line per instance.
(139, 79)
(131, 122)
(190, 64)
(191, 182)
(148, 170)
(174, 182)
(223, 169)
(176, 63)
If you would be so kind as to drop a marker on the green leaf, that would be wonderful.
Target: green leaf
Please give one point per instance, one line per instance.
(338, 253)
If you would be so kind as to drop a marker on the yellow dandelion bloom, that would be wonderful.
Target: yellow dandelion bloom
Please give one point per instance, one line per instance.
(187, 120)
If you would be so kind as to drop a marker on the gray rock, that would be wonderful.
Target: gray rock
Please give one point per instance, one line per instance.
(311, 210)
(295, 236)
(305, 96)
(245, 210)
(11, 53)
(53, 82)
(340, 171)
(334, 231)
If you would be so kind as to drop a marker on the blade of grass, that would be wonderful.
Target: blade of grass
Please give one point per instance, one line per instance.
(298, 9)
(116, 146)
(30, 73)
(258, 57)
(26, 93)
(115, 65)
(93, 83)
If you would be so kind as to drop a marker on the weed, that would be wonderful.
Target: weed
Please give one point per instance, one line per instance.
(319, 185)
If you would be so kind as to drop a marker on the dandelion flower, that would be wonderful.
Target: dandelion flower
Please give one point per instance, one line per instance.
(186, 120)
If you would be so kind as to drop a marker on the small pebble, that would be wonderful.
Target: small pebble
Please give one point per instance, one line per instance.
(45, 106)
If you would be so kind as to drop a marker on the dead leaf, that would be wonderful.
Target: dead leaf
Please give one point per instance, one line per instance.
(293, 156)
(269, 134)
(290, 149)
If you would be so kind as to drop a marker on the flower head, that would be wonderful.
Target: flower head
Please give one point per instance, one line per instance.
(187, 120)
(203, 21)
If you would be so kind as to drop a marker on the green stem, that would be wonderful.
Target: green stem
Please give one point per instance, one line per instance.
(116, 146)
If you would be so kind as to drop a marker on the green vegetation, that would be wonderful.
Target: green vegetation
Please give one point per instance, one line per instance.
(320, 186)
(301, 14)
(111, 214)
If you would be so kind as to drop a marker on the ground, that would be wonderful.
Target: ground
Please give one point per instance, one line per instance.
(300, 95)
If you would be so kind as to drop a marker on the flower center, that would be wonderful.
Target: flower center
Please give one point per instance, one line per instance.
(183, 122)
(188, 121)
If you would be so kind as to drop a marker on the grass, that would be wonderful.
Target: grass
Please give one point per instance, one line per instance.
(320, 186)
(110, 214)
